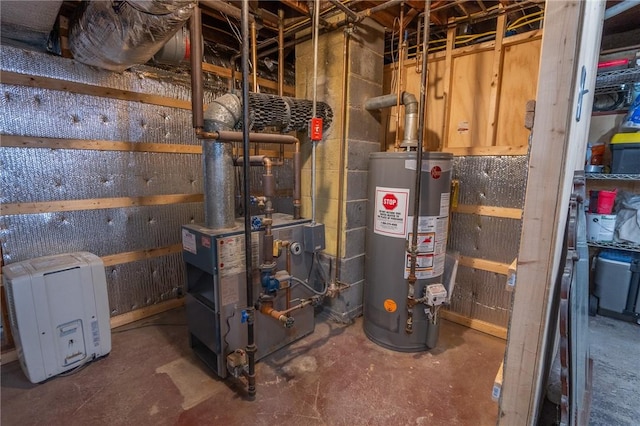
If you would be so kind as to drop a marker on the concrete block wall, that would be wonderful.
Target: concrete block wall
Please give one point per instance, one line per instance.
(365, 75)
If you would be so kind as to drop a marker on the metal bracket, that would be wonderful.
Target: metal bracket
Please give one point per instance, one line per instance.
(582, 92)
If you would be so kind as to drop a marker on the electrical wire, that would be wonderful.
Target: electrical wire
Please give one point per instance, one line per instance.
(319, 293)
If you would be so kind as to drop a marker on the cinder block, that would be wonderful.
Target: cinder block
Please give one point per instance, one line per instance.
(356, 214)
(352, 269)
(357, 184)
(358, 154)
(366, 65)
(354, 242)
(364, 125)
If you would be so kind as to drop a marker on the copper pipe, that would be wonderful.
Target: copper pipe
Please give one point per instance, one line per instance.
(297, 181)
(280, 52)
(281, 63)
(195, 31)
(383, 6)
(342, 149)
(225, 8)
(230, 136)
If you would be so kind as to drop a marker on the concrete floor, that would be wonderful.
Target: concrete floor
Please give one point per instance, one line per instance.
(335, 376)
(615, 349)
(615, 392)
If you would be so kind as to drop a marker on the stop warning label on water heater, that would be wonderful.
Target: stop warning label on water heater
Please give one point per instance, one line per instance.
(391, 211)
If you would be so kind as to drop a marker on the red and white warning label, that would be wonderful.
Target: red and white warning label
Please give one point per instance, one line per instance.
(391, 211)
(432, 246)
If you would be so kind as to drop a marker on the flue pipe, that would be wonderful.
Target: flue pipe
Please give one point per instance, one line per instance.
(410, 103)
(195, 31)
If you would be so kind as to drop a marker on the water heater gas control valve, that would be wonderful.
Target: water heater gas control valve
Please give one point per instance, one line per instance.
(435, 295)
(296, 248)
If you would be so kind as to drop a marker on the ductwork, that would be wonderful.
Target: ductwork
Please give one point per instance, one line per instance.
(224, 114)
(116, 35)
(410, 114)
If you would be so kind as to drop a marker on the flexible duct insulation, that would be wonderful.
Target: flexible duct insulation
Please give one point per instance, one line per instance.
(265, 111)
(118, 35)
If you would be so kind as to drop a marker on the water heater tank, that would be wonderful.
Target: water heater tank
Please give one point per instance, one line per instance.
(389, 233)
(59, 312)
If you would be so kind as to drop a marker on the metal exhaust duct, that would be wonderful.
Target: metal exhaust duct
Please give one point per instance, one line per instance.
(118, 35)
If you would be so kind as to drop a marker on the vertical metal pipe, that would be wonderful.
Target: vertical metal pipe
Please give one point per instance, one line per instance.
(195, 31)
(251, 346)
(411, 301)
(218, 175)
(254, 56)
(281, 63)
(400, 65)
(297, 176)
(343, 145)
(316, 25)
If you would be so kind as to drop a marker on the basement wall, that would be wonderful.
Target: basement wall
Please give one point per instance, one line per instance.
(107, 163)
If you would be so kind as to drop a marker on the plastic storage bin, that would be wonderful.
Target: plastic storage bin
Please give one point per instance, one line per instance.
(617, 276)
(625, 153)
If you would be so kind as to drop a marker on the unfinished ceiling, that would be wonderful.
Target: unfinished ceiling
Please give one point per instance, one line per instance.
(475, 22)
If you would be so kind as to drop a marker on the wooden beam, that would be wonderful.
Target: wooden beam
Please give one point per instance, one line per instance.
(134, 256)
(556, 149)
(475, 324)
(147, 311)
(9, 77)
(485, 265)
(504, 212)
(488, 150)
(96, 204)
(298, 6)
(96, 145)
(226, 73)
(496, 81)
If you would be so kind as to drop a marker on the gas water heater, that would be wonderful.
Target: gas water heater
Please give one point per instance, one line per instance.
(391, 194)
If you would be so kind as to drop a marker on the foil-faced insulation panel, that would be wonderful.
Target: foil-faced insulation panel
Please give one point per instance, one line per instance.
(135, 285)
(481, 295)
(141, 79)
(491, 180)
(102, 232)
(485, 237)
(38, 112)
(35, 175)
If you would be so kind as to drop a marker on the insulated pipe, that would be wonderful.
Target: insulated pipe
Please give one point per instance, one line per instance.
(251, 348)
(413, 250)
(410, 113)
(195, 34)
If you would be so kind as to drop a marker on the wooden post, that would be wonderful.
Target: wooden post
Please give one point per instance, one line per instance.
(448, 78)
(557, 147)
(496, 80)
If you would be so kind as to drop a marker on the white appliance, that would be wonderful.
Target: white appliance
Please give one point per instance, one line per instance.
(59, 312)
